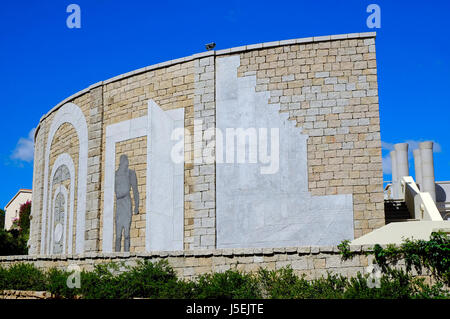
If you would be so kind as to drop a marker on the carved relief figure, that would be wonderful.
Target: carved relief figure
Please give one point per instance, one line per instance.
(125, 180)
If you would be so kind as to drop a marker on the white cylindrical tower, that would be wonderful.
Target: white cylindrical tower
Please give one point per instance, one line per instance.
(393, 166)
(394, 174)
(426, 154)
(418, 166)
(401, 154)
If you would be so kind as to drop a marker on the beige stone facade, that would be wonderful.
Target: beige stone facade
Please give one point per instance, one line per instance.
(330, 89)
(327, 85)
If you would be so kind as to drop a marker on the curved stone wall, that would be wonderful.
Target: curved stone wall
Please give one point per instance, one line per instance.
(320, 96)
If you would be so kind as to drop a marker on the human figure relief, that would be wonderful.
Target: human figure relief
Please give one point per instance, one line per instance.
(125, 180)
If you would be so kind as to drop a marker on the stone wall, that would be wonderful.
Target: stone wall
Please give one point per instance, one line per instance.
(200, 212)
(326, 85)
(313, 261)
(65, 141)
(23, 294)
(126, 98)
(329, 89)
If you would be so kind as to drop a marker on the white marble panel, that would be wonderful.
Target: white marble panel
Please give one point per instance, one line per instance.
(166, 185)
(256, 209)
(72, 114)
(165, 179)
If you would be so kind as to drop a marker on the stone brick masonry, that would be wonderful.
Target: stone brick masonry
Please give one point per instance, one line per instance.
(327, 85)
(330, 89)
(23, 294)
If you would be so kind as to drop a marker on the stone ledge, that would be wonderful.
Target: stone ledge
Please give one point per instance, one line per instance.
(301, 250)
(24, 294)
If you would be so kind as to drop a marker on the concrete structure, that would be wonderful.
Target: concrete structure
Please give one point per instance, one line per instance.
(401, 157)
(424, 176)
(418, 166)
(426, 212)
(427, 165)
(394, 173)
(267, 145)
(13, 207)
(443, 198)
(396, 233)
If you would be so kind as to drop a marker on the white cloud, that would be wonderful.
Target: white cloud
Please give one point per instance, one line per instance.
(387, 165)
(387, 146)
(24, 150)
(412, 145)
(415, 144)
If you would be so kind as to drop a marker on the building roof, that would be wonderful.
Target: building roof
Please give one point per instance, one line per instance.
(22, 190)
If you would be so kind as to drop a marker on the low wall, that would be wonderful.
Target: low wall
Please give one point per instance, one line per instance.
(22, 294)
(312, 261)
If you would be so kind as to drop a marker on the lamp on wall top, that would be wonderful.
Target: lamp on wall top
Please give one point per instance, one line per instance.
(210, 46)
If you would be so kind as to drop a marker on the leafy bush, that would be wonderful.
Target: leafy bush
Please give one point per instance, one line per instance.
(433, 255)
(22, 277)
(396, 284)
(158, 280)
(285, 284)
(24, 220)
(228, 285)
(146, 280)
(56, 283)
(2, 219)
(14, 241)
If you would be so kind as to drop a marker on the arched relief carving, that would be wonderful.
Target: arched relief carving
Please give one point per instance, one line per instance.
(62, 170)
(72, 114)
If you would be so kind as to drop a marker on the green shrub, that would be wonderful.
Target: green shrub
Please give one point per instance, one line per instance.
(14, 241)
(159, 280)
(433, 255)
(2, 219)
(22, 277)
(11, 243)
(56, 283)
(284, 283)
(149, 280)
(24, 220)
(396, 284)
(227, 285)
(146, 280)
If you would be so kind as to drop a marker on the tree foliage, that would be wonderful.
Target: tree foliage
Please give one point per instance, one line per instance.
(159, 280)
(2, 219)
(432, 255)
(14, 241)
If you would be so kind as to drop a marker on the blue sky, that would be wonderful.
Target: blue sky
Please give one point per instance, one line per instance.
(42, 61)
